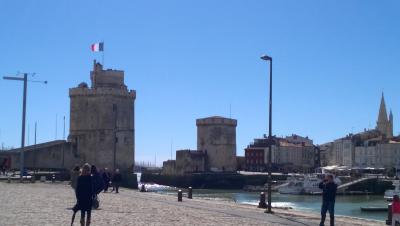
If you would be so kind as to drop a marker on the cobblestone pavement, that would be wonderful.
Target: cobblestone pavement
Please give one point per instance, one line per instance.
(48, 204)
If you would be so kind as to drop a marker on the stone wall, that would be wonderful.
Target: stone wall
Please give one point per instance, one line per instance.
(169, 167)
(188, 161)
(50, 155)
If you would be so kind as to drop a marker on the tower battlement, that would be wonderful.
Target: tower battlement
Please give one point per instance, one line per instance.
(216, 120)
(83, 91)
(106, 78)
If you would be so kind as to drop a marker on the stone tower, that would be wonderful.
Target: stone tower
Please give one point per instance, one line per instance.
(102, 122)
(217, 137)
(385, 124)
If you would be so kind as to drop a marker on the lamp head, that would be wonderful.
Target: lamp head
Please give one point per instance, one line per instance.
(265, 57)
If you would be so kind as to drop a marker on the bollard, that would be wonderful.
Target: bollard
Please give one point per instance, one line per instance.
(262, 203)
(179, 195)
(190, 193)
(8, 179)
(53, 178)
(143, 188)
(389, 220)
(33, 179)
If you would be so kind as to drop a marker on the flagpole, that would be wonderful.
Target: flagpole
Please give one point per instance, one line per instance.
(102, 55)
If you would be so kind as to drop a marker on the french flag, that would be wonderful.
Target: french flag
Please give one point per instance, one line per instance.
(97, 47)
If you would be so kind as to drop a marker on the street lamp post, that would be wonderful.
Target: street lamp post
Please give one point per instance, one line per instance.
(25, 80)
(115, 110)
(268, 58)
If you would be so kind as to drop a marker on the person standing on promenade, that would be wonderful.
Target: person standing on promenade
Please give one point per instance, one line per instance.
(74, 177)
(329, 188)
(97, 185)
(106, 178)
(84, 195)
(116, 180)
(396, 210)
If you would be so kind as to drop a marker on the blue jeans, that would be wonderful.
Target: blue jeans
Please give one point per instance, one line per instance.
(328, 206)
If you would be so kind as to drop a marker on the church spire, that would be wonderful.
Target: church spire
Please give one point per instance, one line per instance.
(384, 124)
(382, 117)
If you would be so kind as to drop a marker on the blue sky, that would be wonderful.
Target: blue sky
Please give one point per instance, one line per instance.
(193, 59)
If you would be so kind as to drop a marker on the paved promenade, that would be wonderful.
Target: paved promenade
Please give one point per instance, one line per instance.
(47, 204)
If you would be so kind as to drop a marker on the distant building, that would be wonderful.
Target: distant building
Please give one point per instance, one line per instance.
(367, 148)
(299, 140)
(325, 154)
(380, 155)
(254, 158)
(287, 155)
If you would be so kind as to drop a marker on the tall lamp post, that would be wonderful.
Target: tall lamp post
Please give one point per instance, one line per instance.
(268, 58)
(115, 110)
(25, 80)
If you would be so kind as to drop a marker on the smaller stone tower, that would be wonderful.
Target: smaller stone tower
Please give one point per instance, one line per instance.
(216, 136)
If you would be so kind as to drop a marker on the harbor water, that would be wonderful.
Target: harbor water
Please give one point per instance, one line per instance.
(345, 205)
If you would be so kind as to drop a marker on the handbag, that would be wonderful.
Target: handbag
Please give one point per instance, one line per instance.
(95, 202)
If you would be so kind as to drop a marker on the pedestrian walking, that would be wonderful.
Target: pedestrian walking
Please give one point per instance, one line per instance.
(329, 188)
(106, 179)
(84, 196)
(116, 180)
(74, 176)
(97, 185)
(396, 211)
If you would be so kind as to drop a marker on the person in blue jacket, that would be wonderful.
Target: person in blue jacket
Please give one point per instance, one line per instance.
(329, 188)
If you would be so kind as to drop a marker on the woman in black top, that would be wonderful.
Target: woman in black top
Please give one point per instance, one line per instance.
(84, 194)
(116, 180)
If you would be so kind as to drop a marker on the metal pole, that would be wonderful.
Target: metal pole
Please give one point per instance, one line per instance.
(34, 149)
(270, 137)
(23, 126)
(35, 131)
(62, 147)
(64, 129)
(29, 133)
(55, 138)
(115, 135)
